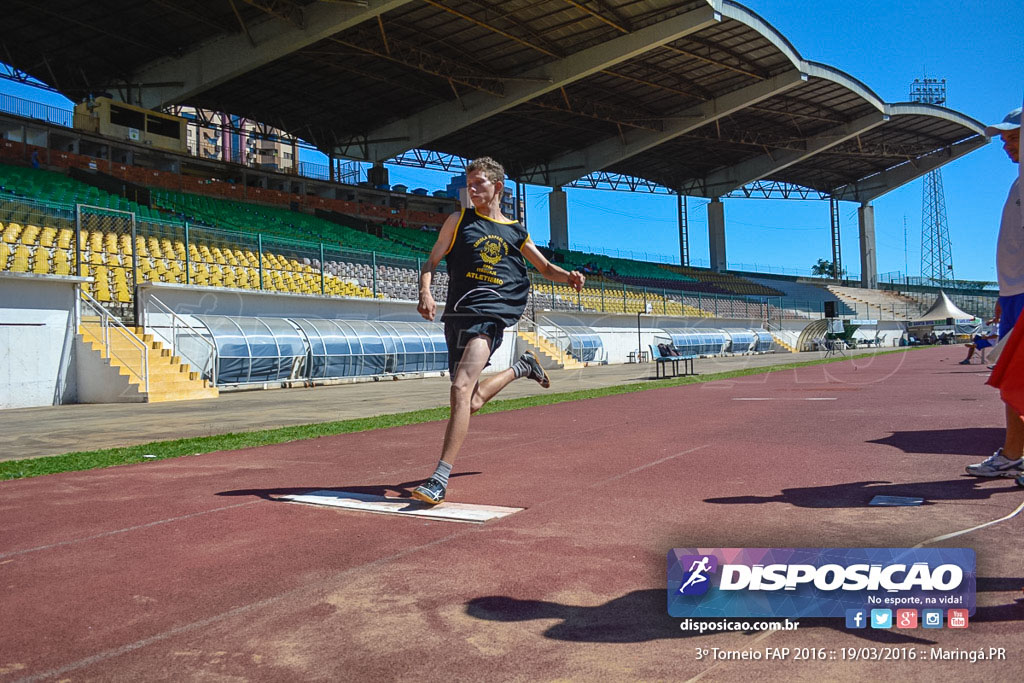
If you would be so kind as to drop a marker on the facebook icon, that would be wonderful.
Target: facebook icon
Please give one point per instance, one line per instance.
(856, 618)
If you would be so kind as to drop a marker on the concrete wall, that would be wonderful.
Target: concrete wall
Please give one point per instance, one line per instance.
(38, 323)
(98, 382)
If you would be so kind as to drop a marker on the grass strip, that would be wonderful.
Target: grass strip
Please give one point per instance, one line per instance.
(161, 450)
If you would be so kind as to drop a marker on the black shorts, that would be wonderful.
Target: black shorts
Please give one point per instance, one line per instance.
(458, 330)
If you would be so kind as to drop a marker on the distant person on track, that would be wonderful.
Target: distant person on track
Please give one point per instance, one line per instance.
(1007, 460)
(487, 291)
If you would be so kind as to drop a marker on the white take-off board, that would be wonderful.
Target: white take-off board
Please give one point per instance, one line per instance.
(365, 502)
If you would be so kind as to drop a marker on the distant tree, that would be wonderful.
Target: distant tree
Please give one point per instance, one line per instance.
(822, 268)
(972, 284)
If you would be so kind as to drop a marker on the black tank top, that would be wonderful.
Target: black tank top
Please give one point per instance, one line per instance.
(486, 269)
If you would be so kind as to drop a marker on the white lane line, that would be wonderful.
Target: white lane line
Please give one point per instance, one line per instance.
(820, 398)
(124, 531)
(643, 467)
(945, 537)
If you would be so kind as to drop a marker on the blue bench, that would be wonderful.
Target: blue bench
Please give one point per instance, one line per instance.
(662, 362)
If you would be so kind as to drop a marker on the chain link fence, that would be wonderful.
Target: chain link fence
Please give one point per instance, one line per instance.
(118, 250)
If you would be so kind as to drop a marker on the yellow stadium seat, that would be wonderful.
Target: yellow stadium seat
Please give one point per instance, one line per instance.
(121, 290)
(41, 261)
(61, 262)
(5, 255)
(102, 291)
(11, 233)
(47, 237)
(21, 258)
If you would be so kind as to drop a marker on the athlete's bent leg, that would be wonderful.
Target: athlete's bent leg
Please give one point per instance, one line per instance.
(489, 388)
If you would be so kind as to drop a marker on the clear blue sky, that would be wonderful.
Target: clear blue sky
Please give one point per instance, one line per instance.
(978, 47)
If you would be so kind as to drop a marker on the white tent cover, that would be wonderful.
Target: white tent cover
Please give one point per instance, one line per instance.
(942, 310)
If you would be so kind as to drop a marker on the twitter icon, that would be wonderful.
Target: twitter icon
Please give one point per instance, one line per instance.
(881, 618)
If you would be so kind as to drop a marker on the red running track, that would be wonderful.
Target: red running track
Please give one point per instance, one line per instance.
(189, 569)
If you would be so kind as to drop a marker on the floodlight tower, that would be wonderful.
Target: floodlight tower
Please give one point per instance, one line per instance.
(936, 250)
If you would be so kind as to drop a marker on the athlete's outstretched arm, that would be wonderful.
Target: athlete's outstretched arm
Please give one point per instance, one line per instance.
(427, 306)
(550, 270)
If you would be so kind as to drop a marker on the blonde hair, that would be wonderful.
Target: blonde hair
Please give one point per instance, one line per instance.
(494, 171)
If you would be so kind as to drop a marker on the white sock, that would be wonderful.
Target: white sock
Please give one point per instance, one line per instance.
(442, 472)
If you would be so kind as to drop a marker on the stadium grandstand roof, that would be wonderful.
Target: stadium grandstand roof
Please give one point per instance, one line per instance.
(700, 96)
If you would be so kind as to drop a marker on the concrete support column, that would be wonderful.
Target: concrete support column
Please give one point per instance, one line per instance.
(716, 234)
(558, 218)
(378, 175)
(868, 255)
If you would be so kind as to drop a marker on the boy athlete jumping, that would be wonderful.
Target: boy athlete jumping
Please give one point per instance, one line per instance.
(487, 292)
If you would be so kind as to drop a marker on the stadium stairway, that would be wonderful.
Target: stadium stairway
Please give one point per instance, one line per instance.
(789, 344)
(548, 354)
(169, 378)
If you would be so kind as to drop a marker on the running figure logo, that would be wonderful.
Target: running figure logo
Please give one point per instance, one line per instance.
(699, 566)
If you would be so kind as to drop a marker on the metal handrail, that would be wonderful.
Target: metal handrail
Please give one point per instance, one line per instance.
(210, 364)
(106, 322)
(534, 326)
(568, 340)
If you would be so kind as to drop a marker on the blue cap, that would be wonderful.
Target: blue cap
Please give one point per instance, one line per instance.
(1011, 121)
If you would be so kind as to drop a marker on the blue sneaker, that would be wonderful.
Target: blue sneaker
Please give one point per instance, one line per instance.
(431, 492)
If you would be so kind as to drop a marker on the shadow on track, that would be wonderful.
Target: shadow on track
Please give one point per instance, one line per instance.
(859, 493)
(641, 616)
(974, 442)
(403, 490)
